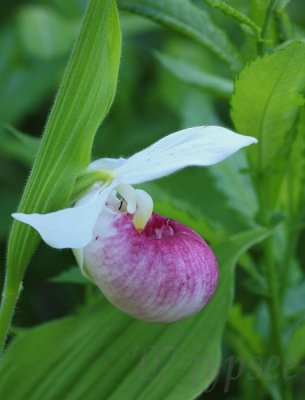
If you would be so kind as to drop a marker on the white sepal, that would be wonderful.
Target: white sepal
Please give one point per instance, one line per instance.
(201, 146)
(71, 227)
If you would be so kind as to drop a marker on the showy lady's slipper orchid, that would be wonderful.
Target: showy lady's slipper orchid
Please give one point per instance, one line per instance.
(151, 267)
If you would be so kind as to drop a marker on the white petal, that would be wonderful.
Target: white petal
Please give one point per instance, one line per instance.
(106, 163)
(71, 227)
(201, 146)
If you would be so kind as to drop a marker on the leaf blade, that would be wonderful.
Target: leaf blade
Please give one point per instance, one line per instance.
(184, 17)
(19, 145)
(266, 100)
(186, 72)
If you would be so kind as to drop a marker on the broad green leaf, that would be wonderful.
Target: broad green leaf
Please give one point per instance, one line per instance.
(84, 99)
(18, 145)
(44, 33)
(184, 17)
(72, 275)
(267, 99)
(232, 12)
(104, 354)
(194, 76)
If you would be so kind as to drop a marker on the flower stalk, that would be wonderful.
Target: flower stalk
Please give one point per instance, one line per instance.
(266, 23)
(275, 305)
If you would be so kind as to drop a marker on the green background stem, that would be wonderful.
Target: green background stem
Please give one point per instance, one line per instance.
(275, 310)
(267, 19)
(273, 277)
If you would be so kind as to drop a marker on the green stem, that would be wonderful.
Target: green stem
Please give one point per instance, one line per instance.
(275, 312)
(293, 229)
(249, 358)
(273, 282)
(292, 238)
(283, 25)
(10, 296)
(268, 15)
(274, 298)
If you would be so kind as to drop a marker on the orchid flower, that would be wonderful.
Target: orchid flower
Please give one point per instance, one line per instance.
(149, 266)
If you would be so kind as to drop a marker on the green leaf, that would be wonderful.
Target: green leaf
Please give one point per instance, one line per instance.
(18, 145)
(293, 191)
(296, 347)
(254, 364)
(294, 301)
(281, 4)
(232, 12)
(45, 33)
(72, 275)
(24, 83)
(84, 98)
(104, 354)
(184, 17)
(284, 25)
(267, 100)
(232, 179)
(244, 326)
(191, 75)
(8, 202)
